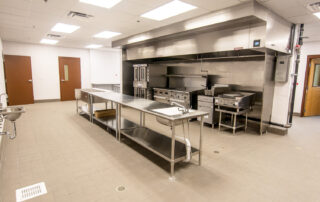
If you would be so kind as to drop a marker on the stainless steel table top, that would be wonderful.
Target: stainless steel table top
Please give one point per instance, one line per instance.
(144, 105)
(91, 90)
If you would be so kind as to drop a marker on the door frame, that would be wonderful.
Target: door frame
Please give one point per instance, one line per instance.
(60, 75)
(5, 76)
(306, 81)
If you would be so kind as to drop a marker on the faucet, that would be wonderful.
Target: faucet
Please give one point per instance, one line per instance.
(6, 96)
(184, 109)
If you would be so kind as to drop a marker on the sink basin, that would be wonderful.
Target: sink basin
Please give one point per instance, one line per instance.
(170, 111)
(12, 113)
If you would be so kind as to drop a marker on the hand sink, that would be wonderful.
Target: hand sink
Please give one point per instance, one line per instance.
(12, 113)
(170, 111)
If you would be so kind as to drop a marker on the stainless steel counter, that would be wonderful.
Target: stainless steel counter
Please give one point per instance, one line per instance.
(146, 106)
(166, 147)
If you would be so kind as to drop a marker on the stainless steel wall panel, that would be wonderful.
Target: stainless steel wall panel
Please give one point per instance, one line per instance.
(243, 75)
(268, 92)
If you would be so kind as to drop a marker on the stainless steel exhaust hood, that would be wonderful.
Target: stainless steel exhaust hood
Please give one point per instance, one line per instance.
(237, 27)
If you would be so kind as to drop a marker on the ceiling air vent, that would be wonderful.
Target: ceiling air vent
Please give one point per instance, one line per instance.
(79, 16)
(314, 7)
(53, 35)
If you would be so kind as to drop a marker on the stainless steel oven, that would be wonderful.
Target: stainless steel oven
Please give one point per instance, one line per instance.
(142, 82)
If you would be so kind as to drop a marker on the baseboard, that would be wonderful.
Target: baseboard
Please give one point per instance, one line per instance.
(296, 114)
(47, 100)
(277, 130)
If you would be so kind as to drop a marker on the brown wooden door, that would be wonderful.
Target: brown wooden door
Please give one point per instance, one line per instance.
(70, 77)
(18, 79)
(312, 103)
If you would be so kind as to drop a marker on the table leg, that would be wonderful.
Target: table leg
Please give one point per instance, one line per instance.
(141, 118)
(144, 119)
(91, 108)
(219, 120)
(200, 141)
(119, 123)
(234, 124)
(173, 141)
(77, 105)
(246, 124)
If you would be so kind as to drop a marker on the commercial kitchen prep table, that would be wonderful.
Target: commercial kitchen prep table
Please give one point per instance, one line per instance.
(164, 146)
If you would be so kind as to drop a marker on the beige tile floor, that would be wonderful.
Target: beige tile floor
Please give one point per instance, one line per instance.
(79, 161)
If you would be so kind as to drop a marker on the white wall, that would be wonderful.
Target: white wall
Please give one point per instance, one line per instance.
(308, 48)
(2, 81)
(281, 99)
(97, 66)
(105, 66)
(282, 91)
(45, 66)
(2, 90)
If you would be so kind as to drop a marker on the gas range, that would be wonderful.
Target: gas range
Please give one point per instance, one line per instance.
(184, 96)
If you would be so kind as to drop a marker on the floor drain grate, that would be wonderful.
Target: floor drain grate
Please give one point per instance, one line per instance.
(120, 188)
(31, 191)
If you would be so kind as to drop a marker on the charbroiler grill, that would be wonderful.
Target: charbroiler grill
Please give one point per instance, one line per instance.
(236, 100)
(234, 104)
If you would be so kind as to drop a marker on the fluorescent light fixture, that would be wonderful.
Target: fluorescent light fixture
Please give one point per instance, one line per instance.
(138, 38)
(317, 14)
(49, 41)
(101, 3)
(168, 10)
(60, 27)
(106, 34)
(94, 46)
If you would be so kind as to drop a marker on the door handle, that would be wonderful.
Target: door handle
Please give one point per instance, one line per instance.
(62, 80)
(30, 80)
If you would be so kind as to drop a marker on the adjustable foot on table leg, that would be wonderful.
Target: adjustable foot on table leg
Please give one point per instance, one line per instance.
(172, 178)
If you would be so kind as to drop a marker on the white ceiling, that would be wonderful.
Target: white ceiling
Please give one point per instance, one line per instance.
(296, 11)
(31, 20)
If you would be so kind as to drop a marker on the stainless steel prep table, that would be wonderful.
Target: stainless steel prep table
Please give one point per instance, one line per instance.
(166, 147)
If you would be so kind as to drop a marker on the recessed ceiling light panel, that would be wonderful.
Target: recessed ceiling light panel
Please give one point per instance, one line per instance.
(317, 14)
(101, 3)
(65, 28)
(168, 10)
(49, 41)
(94, 46)
(106, 34)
